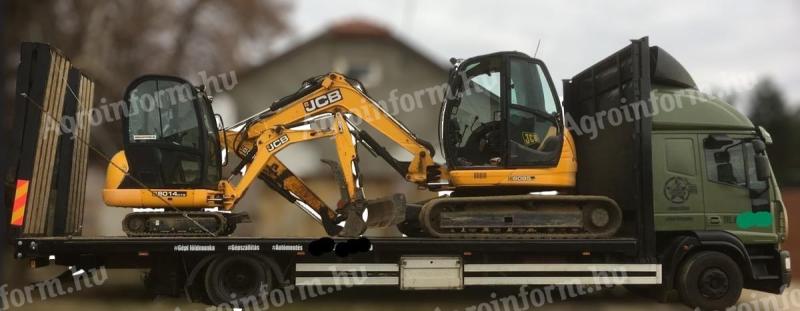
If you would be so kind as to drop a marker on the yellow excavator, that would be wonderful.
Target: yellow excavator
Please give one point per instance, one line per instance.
(510, 161)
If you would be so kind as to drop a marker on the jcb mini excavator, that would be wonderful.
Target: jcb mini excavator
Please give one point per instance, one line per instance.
(501, 130)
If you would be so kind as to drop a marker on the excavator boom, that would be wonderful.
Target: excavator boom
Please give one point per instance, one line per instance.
(258, 139)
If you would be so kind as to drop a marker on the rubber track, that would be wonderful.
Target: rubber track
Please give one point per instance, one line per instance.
(221, 220)
(430, 207)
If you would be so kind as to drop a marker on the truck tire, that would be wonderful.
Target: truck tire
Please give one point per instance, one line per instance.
(237, 280)
(710, 281)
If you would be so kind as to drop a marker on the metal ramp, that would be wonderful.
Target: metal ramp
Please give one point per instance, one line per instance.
(44, 161)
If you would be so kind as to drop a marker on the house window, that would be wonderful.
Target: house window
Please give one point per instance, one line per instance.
(369, 72)
(357, 71)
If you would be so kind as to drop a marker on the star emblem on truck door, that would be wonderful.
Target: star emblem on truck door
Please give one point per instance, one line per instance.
(677, 190)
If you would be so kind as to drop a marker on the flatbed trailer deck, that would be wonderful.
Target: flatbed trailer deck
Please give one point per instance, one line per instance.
(33, 247)
(410, 263)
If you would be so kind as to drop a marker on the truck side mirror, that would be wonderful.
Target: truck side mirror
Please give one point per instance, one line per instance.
(765, 135)
(722, 157)
(759, 146)
(762, 167)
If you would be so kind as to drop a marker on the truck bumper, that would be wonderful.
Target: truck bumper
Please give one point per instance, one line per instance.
(771, 276)
(786, 268)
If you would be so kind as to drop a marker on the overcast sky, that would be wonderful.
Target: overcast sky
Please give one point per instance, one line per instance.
(727, 44)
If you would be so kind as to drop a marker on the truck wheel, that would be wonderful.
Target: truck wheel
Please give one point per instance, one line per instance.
(710, 281)
(236, 279)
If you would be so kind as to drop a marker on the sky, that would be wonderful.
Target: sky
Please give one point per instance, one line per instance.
(726, 45)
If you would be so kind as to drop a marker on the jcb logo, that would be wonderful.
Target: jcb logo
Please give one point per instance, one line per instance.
(278, 143)
(530, 138)
(322, 101)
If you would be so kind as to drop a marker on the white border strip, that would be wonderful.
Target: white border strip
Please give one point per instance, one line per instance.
(562, 268)
(345, 281)
(561, 280)
(340, 267)
(615, 271)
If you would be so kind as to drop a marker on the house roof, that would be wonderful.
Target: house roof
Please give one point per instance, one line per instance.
(354, 28)
(358, 28)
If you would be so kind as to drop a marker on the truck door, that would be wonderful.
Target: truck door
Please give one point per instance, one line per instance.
(730, 177)
(677, 186)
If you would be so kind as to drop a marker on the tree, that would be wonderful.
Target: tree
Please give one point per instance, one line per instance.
(115, 41)
(769, 109)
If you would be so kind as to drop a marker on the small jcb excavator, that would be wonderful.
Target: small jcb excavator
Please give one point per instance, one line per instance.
(501, 130)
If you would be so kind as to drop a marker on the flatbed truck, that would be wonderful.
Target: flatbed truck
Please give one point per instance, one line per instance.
(702, 212)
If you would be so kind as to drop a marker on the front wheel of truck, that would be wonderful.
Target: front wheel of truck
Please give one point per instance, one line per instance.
(710, 281)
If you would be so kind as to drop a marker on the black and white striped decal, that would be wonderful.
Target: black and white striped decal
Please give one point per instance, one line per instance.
(348, 274)
(370, 274)
(547, 274)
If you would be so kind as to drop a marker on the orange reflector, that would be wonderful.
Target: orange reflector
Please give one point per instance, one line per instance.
(20, 199)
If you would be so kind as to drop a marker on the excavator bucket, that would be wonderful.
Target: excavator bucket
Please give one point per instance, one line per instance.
(381, 213)
(385, 212)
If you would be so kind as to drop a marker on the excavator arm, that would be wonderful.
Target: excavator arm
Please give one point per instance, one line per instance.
(334, 97)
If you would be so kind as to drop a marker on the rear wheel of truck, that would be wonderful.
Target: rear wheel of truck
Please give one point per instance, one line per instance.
(237, 280)
(710, 281)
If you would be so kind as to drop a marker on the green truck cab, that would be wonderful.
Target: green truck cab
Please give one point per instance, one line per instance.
(711, 171)
(690, 172)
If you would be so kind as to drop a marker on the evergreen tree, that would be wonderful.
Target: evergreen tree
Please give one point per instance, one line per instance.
(769, 109)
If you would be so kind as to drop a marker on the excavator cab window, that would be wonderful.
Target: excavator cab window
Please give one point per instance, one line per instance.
(502, 112)
(171, 138)
(533, 129)
(475, 122)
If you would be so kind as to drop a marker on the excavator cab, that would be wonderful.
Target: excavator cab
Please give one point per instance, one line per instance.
(170, 137)
(501, 112)
(171, 159)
